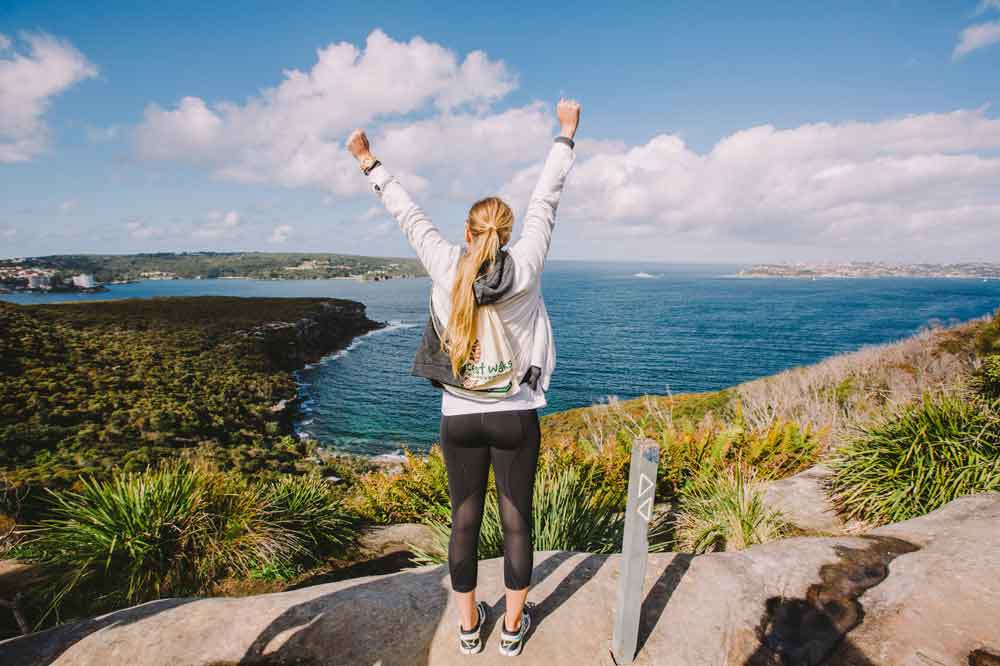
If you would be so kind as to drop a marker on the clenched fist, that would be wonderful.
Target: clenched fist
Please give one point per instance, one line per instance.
(358, 144)
(568, 113)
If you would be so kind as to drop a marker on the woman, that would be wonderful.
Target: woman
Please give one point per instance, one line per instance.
(478, 430)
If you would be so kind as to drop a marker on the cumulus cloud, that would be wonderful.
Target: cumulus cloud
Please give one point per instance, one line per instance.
(976, 37)
(280, 234)
(218, 224)
(905, 179)
(293, 134)
(28, 81)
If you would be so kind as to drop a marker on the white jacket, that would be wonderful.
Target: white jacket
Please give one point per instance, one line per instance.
(523, 309)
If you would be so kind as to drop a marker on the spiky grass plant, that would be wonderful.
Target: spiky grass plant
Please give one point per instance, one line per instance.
(571, 510)
(126, 540)
(917, 458)
(725, 511)
(304, 507)
(177, 530)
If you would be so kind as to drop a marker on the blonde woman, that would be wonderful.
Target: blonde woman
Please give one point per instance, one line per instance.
(482, 430)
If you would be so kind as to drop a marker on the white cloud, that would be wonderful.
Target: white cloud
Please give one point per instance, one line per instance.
(28, 80)
(976, 37)
(68, 206)
(280, 234)
(10, 232)
(218, 224)
(903, 180)
(293, 134)
(142, 231)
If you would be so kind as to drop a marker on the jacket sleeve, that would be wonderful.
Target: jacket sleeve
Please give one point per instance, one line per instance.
(532, 247)
(436, 253)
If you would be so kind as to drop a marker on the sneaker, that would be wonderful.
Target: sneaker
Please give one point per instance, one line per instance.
(511, 643)
(468, 641)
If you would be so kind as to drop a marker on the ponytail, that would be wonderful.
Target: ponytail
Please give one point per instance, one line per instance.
(490, 223)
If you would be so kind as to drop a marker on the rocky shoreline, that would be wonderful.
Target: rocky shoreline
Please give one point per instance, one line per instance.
(290, 345)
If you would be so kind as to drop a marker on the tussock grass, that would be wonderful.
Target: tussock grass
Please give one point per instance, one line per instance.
(918, 457)
(571, 510)
(726, 511)
(176, 530)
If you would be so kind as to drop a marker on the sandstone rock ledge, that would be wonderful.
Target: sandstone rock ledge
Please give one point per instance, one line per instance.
(918, 593)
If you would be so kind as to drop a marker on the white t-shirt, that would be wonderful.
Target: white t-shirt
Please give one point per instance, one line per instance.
(525, 398)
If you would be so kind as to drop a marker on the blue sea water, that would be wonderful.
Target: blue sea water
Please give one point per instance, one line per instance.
(620, 330)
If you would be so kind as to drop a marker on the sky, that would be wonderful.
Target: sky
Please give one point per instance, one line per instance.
(710, 132)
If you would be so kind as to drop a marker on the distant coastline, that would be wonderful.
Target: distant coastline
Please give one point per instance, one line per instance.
(860, 269)
(94, 271)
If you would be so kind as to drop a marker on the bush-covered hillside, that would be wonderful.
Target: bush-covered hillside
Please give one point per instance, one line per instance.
(117, 385)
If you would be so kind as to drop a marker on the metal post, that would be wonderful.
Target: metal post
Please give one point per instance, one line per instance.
(635, 548)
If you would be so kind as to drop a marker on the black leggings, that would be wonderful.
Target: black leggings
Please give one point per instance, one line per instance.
(470, 443)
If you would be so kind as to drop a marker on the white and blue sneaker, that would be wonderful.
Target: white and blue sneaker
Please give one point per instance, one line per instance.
(511, 643)
(469, 641)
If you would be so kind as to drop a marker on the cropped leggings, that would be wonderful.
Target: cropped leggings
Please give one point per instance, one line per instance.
(470, 443)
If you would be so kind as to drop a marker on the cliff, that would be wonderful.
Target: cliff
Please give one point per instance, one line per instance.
(289, 345)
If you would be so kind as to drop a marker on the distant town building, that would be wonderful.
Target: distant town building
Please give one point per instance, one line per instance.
(84, 281)
(39, 282)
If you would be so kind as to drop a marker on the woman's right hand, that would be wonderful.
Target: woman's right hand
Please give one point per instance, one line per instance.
(568, 113)
(358, 145)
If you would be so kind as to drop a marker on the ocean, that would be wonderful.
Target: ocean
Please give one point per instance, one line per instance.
(620, 330)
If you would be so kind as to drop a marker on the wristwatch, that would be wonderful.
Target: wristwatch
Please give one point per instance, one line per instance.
(368, 164)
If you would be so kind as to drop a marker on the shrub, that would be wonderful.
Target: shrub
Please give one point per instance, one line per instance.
(176, 530)
(124, 541)
(917, 458)
(408, 495)
(726, 511)
(567, 514)
(987, 378)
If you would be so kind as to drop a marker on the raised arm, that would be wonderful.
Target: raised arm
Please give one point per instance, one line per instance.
(436, 253)
(532, 247)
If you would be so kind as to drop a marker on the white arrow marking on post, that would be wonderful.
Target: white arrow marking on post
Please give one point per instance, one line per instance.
(645, 508)
(644, 484)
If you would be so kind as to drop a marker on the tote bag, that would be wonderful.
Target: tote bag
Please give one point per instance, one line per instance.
(489, 373)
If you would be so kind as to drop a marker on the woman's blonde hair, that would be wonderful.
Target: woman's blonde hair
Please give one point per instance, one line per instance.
(490, 224)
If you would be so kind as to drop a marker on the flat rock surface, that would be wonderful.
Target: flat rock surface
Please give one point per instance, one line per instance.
(918, 593)
(804, 503)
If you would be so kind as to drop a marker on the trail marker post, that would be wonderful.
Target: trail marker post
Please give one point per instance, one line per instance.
(635, 548)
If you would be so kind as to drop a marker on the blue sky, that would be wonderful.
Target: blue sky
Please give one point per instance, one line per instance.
(711, 131)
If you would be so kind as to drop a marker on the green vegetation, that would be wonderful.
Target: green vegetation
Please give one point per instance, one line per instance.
(920, 455)
(260, 265)
(410, 495)
(159, 429)
(918, 458)
(176, 530)
(725, 511)
(571, 510)
(88, 388)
